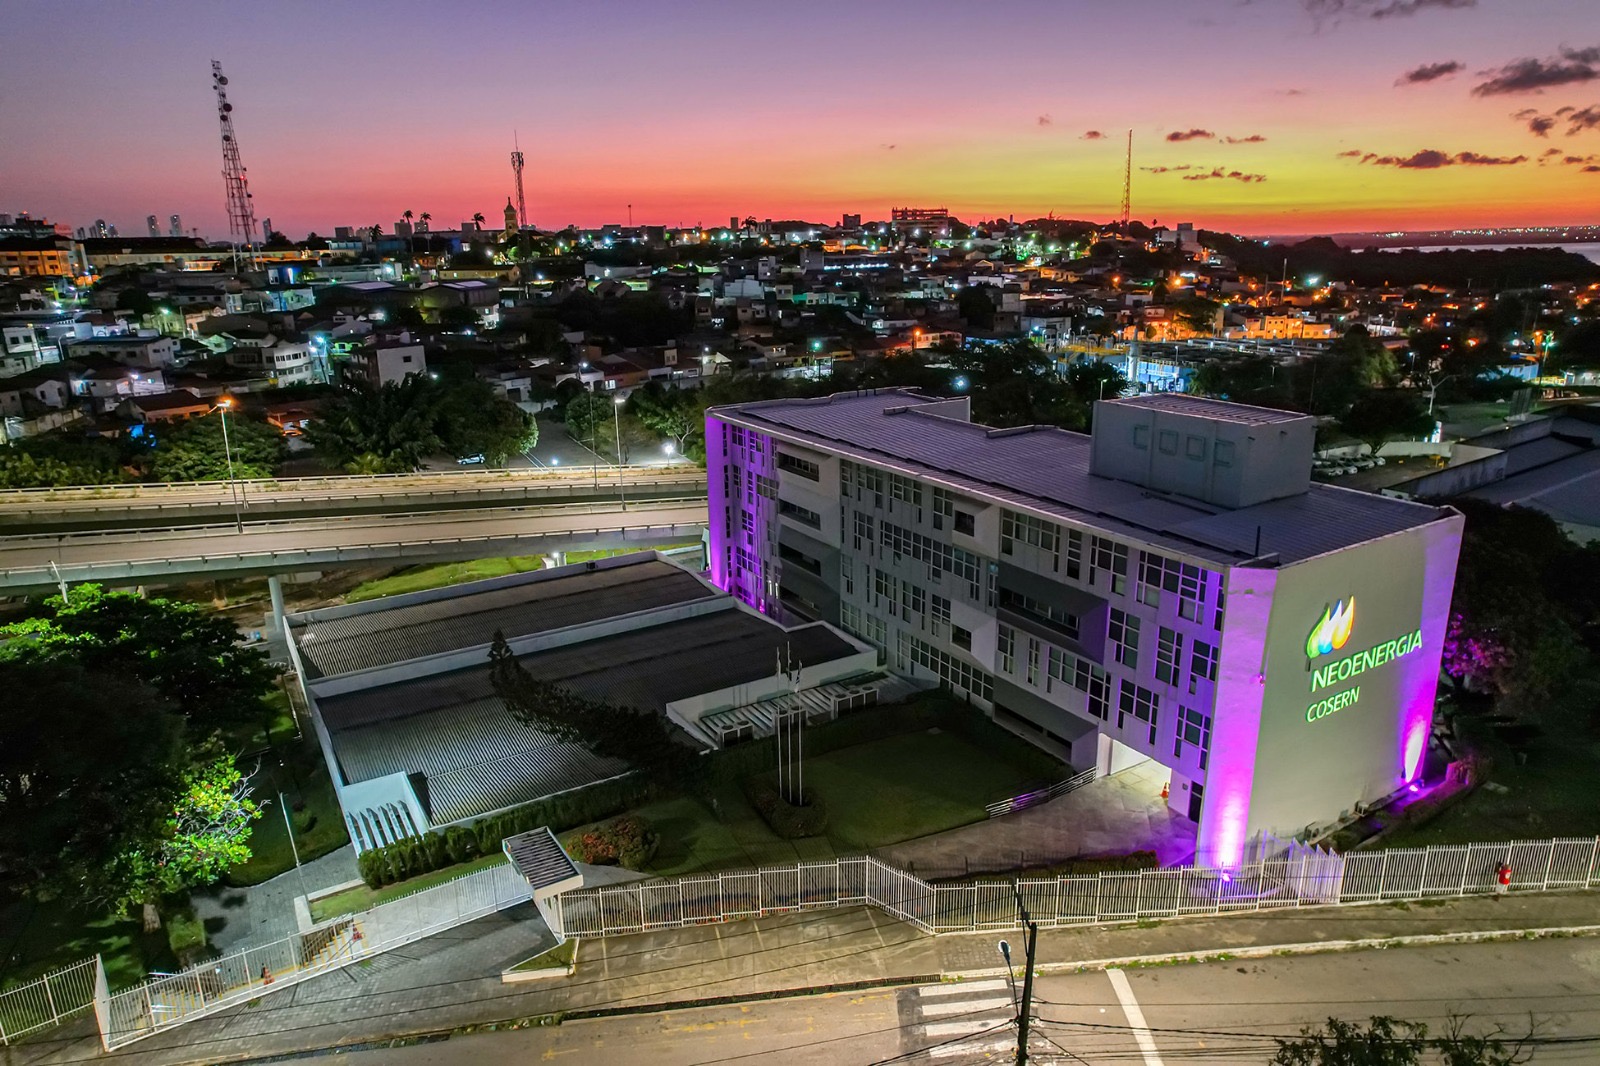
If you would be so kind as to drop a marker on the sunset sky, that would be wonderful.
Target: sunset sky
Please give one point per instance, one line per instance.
(349, 113)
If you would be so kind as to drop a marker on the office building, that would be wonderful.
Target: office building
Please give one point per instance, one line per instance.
(1173, 587)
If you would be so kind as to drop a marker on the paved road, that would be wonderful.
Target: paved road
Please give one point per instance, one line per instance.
(125, 506)
(276, 546)
(1218, 1012)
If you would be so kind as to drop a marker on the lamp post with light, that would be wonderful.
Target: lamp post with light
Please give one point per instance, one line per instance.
(616, 422)
(234, 488)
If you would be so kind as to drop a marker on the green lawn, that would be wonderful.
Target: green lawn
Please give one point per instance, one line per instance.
(295, 768)
(361, 898)
(1552, 795)
(558, 957)
(36, 938)
(416, 579)
(877, 793)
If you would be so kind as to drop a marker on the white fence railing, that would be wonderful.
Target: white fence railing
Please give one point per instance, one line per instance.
(167, 1000)
(48, 1001)
(1293, 875)
(1040, 795)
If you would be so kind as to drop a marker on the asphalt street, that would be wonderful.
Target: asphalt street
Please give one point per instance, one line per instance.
(1226, 1012)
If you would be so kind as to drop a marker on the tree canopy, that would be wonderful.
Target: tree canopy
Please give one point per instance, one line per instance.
(391, 428)
(1388, 1041)
(194, 450)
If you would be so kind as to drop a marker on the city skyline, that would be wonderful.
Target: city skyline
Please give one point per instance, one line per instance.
(1291, 117)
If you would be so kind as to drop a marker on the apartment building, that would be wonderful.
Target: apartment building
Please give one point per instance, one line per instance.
(1173, 587)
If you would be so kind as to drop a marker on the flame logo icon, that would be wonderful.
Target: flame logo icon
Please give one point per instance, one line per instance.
(1333, 631)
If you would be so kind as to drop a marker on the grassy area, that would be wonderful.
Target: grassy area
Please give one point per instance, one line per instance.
(297, 770)
(878, 793)
(360, 898)
(557, 958)
(1551, 794)
(419, 578)
(36, 938)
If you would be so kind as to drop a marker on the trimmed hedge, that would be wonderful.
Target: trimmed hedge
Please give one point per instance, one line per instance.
(628, 842)
(436, 849)
(783, 817)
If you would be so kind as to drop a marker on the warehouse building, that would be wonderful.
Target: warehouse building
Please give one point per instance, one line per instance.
(415, 738)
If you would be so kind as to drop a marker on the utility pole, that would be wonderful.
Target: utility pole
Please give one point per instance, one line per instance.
(1026, 1008)
(517, 161)
(241, 208)
(1127, 185)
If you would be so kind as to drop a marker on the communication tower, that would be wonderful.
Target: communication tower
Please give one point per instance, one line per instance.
(1127, 185)
(241, 211)
(516, 168)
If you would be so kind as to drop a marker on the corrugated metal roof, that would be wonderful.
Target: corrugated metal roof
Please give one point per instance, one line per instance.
(379, 638)
(1200, 407)
(1047, 469)
(476, 757)
(539, 858)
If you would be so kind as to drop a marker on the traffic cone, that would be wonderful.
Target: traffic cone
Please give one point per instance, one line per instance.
(1165, 790)
(266, 976)
(355, 933)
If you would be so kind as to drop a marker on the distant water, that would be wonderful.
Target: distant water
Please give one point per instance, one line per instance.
(1588, 249)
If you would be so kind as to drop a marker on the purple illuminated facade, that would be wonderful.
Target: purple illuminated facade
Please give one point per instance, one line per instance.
(1173, 589)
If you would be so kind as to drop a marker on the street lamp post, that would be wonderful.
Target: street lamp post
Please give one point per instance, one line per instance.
(1433, 391)
(616, 423)
(233, 486)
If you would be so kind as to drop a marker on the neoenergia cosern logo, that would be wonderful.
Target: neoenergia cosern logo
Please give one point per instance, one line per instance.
(1333, 631)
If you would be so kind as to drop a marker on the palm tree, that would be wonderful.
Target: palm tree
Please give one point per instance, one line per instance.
(477, 219)
(426, 218)
(411, 238)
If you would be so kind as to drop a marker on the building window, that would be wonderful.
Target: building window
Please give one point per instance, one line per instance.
(1194, 728)
(913, 601)
(847, 575)
(1169, 655)
(961, 638)
(966, 524)
(800, 559)
(1029, 530)
(953, 672)
(803, 515)
(1061, 666)
(1097, 692)
(1074, 539)
(941, 615)
(1055, 617)
(1033, 662)
(1202, 665)
(803, 467)
(870, 628)
(1123, 634)
(863, 533)
(1216, 618)
(1138, 702)
(883, 586)
(944, 508)
(1108, 557)
(906, 490)
(1007, 647)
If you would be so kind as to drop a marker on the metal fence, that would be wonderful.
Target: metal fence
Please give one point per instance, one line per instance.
(1279, 875)
(167, 1000)
(48, 1001)
(1037, 796)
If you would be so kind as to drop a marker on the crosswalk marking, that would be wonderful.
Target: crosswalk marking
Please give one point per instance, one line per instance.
(961, 988)
(1130, 1007)
(974, 1025)
(940, 1008)
(969, 1048)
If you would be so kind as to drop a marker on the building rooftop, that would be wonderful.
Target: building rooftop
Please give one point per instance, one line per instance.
(464, 619)
(474, 756)
(1046, 470)
(1200, 407)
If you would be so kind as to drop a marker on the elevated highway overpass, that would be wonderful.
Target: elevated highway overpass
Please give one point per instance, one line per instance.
(130, 506)
(39, 561)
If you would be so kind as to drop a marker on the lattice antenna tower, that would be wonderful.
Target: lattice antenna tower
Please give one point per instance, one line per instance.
(1127, 185)
(241, 210)
(516, 168)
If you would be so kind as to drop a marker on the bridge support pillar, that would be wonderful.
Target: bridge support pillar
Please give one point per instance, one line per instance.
(275, 627)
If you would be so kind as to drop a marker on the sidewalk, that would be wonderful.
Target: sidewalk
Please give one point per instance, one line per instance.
(453, 980)
(238, 917)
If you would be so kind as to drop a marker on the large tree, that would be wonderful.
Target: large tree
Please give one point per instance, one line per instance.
(185, 655)
(676, 414)
(378, 429)
(196, 451)
(1388, 1041)
(1384, 414)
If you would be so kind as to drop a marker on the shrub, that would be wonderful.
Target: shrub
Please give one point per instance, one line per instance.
(783, 817)
(440, 848)
(628, 842)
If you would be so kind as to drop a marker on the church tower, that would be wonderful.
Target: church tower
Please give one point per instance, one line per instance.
(511, 221)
